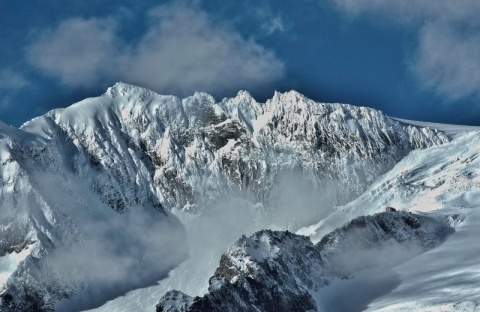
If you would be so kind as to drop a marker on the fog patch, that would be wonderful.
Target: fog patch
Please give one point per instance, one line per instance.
(226, 220)
(300, 199)
(365, 251)
(354, 294)
(367, 274)
(209, 234)
(350, 261)
(297, 198)
(446, 275)
(115, 255)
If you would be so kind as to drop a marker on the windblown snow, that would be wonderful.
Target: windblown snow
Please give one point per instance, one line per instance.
(116, 200)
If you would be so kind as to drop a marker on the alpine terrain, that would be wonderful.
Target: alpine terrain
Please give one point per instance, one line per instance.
(135, 201)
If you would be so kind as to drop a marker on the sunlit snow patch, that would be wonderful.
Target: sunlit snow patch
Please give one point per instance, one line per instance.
(9, 263)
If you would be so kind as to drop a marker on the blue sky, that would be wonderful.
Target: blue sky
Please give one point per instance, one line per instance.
(415, 59)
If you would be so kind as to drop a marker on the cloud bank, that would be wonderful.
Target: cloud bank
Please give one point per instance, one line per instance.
(446, 58)
(182, 51)
(113, 256)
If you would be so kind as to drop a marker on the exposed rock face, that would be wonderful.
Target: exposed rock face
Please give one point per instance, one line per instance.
(280, 271)
(135, 152)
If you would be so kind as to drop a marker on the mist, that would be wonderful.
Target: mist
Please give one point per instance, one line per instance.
(110, 257)
(209, 234)
(355, 294)
(296, 199)
(114, 256)
(382, 257)
(370, 276)
(299, 199)
(365, 256)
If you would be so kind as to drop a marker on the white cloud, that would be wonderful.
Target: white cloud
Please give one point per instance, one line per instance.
(182, 51)
(447, 54)
(414, 11)
(448, 61)
(185, 51)
(79, 52)
(11, 82)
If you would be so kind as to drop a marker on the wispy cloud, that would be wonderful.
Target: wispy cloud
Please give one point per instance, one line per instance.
(270, 21)
(448, 61)
(274, 24)
(79, 52)
(413, 11)
(182, 51)
(446, 58)
(113, 254)
(12, 80)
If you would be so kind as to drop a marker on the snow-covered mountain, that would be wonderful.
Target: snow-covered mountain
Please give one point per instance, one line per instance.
(105, 179)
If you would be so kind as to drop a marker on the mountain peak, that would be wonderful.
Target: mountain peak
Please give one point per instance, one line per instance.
(122, 88)
(292, 94)
(244, 94)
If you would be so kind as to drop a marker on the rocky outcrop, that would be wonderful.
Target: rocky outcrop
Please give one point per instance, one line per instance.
(269, 271)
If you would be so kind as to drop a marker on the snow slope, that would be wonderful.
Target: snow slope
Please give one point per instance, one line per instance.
(450, 130)
(443, 181)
